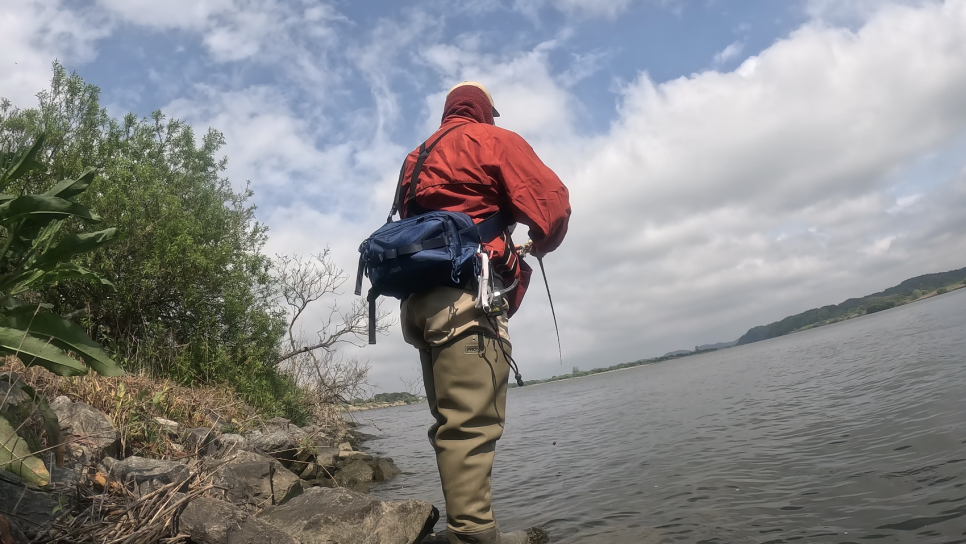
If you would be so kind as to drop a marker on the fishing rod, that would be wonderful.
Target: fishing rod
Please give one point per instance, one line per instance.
(523, 250)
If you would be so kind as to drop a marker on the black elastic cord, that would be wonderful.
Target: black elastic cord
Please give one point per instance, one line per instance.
(510, 361)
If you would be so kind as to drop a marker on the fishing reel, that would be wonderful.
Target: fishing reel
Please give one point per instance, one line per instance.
(490, 299)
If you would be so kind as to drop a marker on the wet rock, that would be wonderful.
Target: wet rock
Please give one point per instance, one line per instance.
(32, 510)
(226, 445)
(357, 476)
(384, 469)
(87, 431)
(197, 439)
(210, 521)
(147, 475)
(322, 516)
(256, 479)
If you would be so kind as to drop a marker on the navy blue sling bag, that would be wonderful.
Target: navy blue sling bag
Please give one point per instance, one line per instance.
(431, 249)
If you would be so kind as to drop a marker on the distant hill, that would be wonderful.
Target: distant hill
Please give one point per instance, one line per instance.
(907, 291)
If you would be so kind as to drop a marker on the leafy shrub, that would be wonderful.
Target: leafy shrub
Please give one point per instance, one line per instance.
(194, 294)
(941, 290)
(35, 255)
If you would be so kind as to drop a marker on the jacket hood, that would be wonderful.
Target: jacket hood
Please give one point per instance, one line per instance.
(468, 102)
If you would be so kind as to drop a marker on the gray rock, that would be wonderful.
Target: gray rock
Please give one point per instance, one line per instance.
(256, 479)
(349, 456)
(323, 516)
(33, 510)
(276, 424)
(345, 446)
(278, 444)
(327, 457)
(147, 475)
(383, 468)
(65, 478)
(87, 431)
(357, 476)
(170, 427)
(11, 395)
(197, 439)
(226, 444)
(210, 521)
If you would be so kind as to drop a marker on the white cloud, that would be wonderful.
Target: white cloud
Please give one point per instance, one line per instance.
(33, 33)
(193, 14)
(712, 203)
(732, 51)
(669, 241)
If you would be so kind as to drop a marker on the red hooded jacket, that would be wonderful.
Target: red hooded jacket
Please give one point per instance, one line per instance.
(478, 169)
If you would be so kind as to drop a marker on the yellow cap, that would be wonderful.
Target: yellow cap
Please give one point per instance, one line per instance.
(480, 87)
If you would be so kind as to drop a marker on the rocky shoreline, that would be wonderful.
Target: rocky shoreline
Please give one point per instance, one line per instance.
(279, 483)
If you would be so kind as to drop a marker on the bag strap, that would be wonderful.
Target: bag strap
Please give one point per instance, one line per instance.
(420, 159)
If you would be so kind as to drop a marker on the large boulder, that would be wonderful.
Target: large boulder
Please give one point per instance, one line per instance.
(357, 476)
(32, 510)
(255, 479)
(279, 445)
(210, 521)
(326, 515)
(87, 431)
(383, 468)
(147, 475)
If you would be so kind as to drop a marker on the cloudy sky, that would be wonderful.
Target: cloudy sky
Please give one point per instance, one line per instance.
(730, 162)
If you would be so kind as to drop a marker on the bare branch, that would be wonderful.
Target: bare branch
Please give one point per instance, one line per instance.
(314, 364)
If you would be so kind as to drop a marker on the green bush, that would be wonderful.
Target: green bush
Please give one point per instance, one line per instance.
(941, 290)
(194, 296)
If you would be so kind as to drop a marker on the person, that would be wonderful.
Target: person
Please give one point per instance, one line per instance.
(478, 169)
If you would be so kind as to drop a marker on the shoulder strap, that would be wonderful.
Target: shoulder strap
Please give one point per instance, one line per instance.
(423, 153)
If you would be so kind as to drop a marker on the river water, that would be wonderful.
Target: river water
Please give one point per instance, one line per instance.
(853, 432)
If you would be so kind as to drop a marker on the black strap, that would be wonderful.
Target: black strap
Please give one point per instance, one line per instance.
(360, 271)
(553, 313)
(395, 197)
(432, 243)
(372, 317)
(423, 153)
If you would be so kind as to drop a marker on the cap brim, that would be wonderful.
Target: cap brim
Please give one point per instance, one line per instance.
(495, 113)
